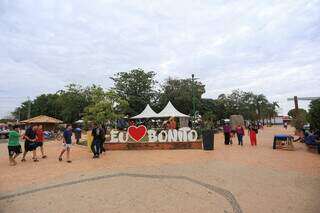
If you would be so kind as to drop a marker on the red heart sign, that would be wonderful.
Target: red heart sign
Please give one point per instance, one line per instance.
(137, 133)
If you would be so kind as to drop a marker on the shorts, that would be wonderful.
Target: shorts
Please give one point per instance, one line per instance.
(67, 145)
(14, 150)
(39, 144)
(30, 146)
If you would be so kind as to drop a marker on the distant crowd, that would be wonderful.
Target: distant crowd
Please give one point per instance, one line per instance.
(239, 131)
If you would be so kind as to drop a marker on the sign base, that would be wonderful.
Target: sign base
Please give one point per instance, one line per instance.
(153, 145)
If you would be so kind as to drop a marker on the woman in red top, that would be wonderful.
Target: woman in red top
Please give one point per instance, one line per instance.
(253, 135)
(40, 139)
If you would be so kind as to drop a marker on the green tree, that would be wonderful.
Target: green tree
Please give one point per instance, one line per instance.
(105, 106)
(314, 114)
(21, 112)
(135, 86)
(293, 112)
(73, 101)
(179, 92)
(250, 106)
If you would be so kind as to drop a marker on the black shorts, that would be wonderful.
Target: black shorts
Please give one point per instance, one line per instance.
(14, 150)
(29, 146)
(39, 144)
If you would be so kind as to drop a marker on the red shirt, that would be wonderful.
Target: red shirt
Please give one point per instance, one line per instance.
(40, 136)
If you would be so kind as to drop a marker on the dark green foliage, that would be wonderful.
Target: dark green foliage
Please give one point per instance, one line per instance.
(179, 92)
(136, 87)
(314, 114)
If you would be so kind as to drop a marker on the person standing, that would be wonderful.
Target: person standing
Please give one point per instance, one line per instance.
(285, 124)
(103, 138)
(30, 143)
(77, 134)
(253, 135)
(240, 134)
(172, 123)
(226, 131)
(40, 139)
(96, 133)
(14, 147)
(67, 141)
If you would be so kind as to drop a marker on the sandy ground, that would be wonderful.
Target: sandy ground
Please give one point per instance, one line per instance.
(259, 179)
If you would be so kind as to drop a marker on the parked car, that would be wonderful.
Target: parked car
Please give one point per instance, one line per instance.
(4, 134)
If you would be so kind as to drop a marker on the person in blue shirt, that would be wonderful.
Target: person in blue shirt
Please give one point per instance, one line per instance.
(67, 141)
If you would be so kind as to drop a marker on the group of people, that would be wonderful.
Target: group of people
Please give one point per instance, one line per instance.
(240, 132)
(34, 137)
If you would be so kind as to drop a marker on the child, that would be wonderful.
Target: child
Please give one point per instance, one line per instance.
(14, 147)
(67, 141)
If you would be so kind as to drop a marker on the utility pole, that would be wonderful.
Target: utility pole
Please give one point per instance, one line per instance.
(29, 107)
(193, 98)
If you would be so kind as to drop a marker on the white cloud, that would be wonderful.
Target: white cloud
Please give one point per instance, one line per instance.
(270, 47)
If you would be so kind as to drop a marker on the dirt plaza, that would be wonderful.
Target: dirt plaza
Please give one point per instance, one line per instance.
(229, 179)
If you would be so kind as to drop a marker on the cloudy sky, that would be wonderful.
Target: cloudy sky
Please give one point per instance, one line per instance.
(269, 47)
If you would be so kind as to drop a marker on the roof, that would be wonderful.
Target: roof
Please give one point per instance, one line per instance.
(170, 111)
(146, 113)
(42, 119)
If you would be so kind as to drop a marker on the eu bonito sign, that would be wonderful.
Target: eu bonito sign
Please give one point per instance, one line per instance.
(184, 134)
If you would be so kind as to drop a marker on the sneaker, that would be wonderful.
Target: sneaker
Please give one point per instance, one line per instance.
(60, 159)
(35, 160)
(23, 160)
(69, 161)
(44, 156)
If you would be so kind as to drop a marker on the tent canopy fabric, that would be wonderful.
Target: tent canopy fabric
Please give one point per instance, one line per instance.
(41, 119)
(170, 111)
(79, 121)
(146, 113)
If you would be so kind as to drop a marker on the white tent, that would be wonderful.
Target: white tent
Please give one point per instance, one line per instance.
(146, 113)
(170, 111)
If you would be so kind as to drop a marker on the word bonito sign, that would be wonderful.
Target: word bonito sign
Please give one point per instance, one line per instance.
(184, 134)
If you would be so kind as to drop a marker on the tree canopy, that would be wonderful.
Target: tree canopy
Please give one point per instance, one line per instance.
(314, 114)
(249, 105)
(135, 86)
(179, 92)
(133, 90)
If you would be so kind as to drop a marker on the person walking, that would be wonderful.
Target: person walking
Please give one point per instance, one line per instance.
(14, 147)
(253, 134)
(30, 143)
(96, 133)
(240, 134)
(67, 141)
(226, 131)
(40, 139)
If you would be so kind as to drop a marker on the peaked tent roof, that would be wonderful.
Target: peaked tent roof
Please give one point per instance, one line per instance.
(170, 111)
(146, 113)
(42, 119)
